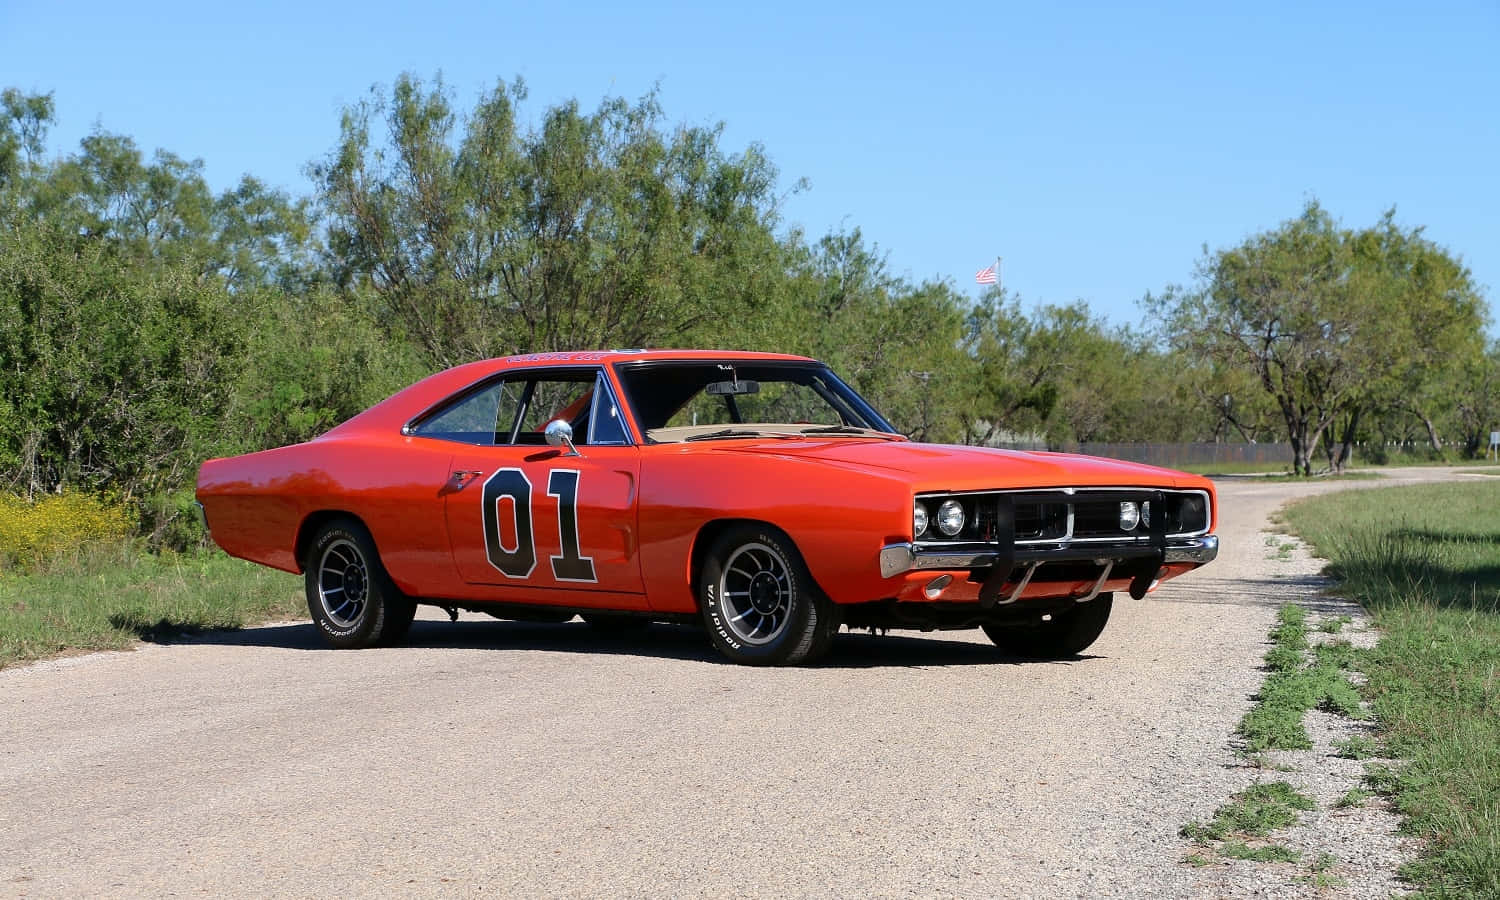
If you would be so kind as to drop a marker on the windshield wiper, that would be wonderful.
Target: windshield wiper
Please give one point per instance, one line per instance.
(841, 429)
(726, 433)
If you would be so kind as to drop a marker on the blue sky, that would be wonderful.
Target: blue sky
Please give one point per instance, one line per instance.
(1096, 148)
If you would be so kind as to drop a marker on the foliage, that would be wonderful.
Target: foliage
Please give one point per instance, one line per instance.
(1296, 684)
(32, 532)
(1425, 561)
(147, 322)
(1253, 813)
(1333, 323)
(110, 595)
(482, 238)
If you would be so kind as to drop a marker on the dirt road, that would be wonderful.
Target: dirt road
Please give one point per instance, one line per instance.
(513, 759)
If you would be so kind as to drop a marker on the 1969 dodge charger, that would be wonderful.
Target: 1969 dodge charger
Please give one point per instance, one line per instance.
(755, 493)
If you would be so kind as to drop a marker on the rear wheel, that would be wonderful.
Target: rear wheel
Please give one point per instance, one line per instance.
(759, 601)
(352, 600)
(1064, 634)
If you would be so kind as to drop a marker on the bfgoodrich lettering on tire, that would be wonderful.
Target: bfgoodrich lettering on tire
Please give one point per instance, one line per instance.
(352, 600)
(759, 602)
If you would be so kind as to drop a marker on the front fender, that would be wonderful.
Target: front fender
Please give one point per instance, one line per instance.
(838, 515)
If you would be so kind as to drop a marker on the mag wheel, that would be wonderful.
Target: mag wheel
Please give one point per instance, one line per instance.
(1065, 634)
(759, 601)
(352, 600)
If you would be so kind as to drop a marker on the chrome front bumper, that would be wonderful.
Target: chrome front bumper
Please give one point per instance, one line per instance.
(896, 559)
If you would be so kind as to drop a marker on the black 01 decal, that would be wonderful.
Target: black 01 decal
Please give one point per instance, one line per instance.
(519, 561)
(572, 565)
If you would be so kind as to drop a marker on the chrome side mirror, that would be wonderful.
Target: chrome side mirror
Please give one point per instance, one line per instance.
(560, 434)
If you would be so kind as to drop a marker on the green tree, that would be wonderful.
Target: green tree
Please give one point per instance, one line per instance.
(24, 122)
(1329, 321)
(482, 238)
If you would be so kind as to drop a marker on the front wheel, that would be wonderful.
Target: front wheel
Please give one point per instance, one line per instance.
(759, 601)
(1067, 633)
(352, 600)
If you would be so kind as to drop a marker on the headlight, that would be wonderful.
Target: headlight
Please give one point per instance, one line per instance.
(950, 517)
(1130, 515)
(1146, 513)
(918, 520)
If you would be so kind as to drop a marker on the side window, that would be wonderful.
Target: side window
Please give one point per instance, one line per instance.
(488, 416)
(483, 417)
(605, 424)
(560, 396)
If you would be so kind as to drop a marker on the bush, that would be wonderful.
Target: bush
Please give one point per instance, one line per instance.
(58, 523)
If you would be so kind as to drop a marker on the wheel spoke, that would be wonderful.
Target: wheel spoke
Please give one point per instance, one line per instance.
(343, 582)
(754, 576)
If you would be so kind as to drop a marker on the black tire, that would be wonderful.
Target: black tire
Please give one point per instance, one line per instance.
(1066, 634)
(351, 599)
(614, 624)
(398, 623)
(759, 601)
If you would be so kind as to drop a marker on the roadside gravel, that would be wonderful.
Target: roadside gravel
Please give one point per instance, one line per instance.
(507, 758)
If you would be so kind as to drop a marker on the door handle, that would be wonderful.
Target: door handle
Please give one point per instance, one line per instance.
(462, 475)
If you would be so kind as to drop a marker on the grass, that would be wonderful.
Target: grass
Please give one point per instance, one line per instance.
(1282, 471)
(1233, 468)
(1262, 853)
(1320, 872)
(109, 597)
(1280, 549)
(1250, 815)
(1297, 683)
(1334, 625)
(1289, 478)
(1357, 747)
(1425, 560)
(1254, 812)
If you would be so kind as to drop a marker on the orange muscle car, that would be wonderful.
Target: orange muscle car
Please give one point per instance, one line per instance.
(755, 493)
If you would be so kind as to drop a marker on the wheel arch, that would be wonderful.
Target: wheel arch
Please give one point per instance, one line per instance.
(312, 522)
(710, 532)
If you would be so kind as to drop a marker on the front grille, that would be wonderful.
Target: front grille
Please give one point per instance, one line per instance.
(1041, 521)
(1095, 519)
(1056, 515)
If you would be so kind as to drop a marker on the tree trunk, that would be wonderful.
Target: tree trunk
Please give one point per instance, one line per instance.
(1301, 465)
(1340, 454)
(1432, 434)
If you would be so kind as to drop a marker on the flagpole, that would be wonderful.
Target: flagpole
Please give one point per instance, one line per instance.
(999, 282)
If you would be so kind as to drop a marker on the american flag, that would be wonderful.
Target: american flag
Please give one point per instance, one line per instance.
(985, 275)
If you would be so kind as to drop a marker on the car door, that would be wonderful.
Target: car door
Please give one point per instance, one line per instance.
(533, 523)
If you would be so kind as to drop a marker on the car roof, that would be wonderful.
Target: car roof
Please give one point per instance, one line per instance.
(606, 357)
(395, 411)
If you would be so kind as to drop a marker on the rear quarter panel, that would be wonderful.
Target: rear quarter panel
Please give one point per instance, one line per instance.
(256, 504)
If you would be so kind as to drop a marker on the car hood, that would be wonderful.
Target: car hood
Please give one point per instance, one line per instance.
(947, 467)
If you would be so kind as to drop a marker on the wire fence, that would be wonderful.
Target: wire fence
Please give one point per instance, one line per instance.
(1171, 455)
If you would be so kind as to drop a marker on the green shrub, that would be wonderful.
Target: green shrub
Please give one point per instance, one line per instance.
(55, 524)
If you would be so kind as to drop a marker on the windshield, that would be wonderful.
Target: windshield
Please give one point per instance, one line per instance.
(675, 401)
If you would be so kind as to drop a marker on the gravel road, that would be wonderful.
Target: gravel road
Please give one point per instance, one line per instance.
(504, 758)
